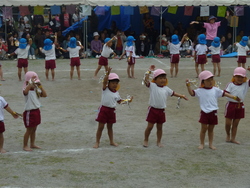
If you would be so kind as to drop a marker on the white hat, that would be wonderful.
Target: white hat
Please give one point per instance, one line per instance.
(95, 34)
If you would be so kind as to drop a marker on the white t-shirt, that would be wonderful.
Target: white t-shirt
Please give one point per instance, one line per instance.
(201, 49)
(31, 101)
(22, 53)
(109, 98)
(214, 50)
(174, 48)
(106, 51)
(50, 54)
(238, 90)
(158, 95)
(129, 49)
(74, 52)
(3, 104)
(242, 50)
(208, 98)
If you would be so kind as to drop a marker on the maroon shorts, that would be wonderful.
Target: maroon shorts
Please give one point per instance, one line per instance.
(32, 118)
(216, 58)
(175, 58)
(75, 61)
(106, 115)
(156, 115)
(131, 61)
(22, 63)
(242, 59)
(234, 110)
(103, 61)
(201, 59)
(2, 127)
(209, 118)
(50, 64)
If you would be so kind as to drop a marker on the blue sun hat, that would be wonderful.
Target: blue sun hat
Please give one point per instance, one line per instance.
(22, 43)
(175, 39)
(202, 39)
(106, 40)
(47, 44)
(244, 41)
(72, 42)
(216, 42)
(130, 40)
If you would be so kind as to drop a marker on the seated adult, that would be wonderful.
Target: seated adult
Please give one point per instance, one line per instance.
(186, 48)
(96, 45)
(142, 45)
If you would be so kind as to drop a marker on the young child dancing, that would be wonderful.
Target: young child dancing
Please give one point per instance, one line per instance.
(50, 57)
(22, 56)
(4, 105)
(73, 50)
(215, 52)
(235, 111)
(208, 97)
(174, 48)
(130, 53)
(242, 51)
(200, 53)
(106, 113)
(159, 91)
(32, 91)
(106, 51)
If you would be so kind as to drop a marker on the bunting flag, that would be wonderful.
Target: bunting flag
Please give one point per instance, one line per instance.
(144, 10)
(115, 10)
(24, 10)
(221, 11)
(86, 10)
(188, 10)
(172, 10)
(38, 10)
(99, 10)
(239, 10)
(7, 12)
(71, 9)
(155, 11)
(128, 10)
(55, 10)
(204, 11)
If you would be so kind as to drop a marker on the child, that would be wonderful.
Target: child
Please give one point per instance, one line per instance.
(50, 56)
(242, 51)
(74, 57)
(106, 51)
(235, 110)
(106, 114)
(208, 97)
(22, 56)
(215, 52)
(200, 53)
(130, 53)
(158, 102)
(4, 105)
(174, 48)
(32, 91)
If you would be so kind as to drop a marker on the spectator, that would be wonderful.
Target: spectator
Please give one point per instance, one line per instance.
(96, 45)
(119, 42)
(21, 27)
(186, 48)
(142, 45)
(239, 36)
(12, 43)
(225, 46)
(3, 49)
(65, 19)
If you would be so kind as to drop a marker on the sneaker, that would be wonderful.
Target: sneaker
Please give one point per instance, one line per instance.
(30, 56)
(33, 57)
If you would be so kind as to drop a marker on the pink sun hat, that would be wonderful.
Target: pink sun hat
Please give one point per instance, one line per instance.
(113, 76)
(28, 76)
(158, 72)
(240, 71)
(205, 75)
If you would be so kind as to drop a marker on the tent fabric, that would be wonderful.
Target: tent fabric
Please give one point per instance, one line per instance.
(125, 2)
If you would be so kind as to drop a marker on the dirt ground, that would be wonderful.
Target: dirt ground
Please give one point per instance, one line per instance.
(67, 134)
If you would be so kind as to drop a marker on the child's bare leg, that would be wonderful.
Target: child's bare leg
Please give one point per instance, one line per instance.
(110, 133)
(197, 69)
(176, 69)
(202, 135)
(239, 64)
(147, 133)
(33, 138)
(71, 72)
(128, 71)
(159, 134)
(1, 74)
(133, 71)
(219, 69)
(202, 67)
(211, 136)
(97, 70)
(214, 67)
(19, 72)
(25, 69)
(228, 123)
(78, 72)
(47, 74)
(99, 134)
(234, 131)
(53, 74)
(1, 143)
(243, 65)
(26, 139)
(171, 70)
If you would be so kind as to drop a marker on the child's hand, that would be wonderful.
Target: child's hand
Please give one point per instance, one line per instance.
(16, 115)
(131, 99)
(237, 98)
(184, 97)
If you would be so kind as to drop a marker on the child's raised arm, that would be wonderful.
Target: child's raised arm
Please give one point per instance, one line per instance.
(180, 95)
(190, 91)
(105, 80)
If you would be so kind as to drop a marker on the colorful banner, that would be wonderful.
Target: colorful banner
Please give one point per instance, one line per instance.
(188, 10)
(204, 11)
(99, 10)
(71, 9)
(239, 10)
(55, 10)
(7, 12)
(128, 10)
(144, 10)
(221, 11)
(115, 10)
(155, 11)
(86, 10)
(24, 10)
(38, 10)
(172, 10)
